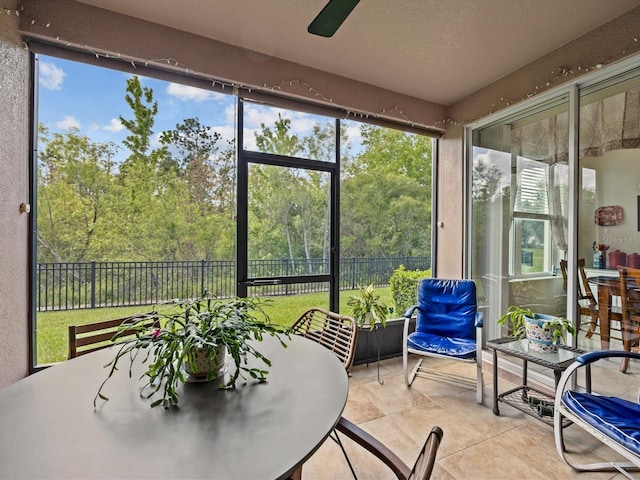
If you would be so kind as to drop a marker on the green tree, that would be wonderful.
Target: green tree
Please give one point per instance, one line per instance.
(290, 204)
(386, 196)
(207, 166)
(75, 193)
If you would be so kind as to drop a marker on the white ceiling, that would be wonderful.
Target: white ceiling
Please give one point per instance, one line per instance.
(437, 50)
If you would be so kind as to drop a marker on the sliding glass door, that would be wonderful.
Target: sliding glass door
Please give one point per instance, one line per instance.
(519, 211)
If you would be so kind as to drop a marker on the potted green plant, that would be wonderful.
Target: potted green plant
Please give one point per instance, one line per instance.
(367, 308)
(193, 340)
(515, 316)
(543, 332)
(369, 312)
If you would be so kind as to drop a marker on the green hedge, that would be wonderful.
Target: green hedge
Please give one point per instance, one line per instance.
(404, 287)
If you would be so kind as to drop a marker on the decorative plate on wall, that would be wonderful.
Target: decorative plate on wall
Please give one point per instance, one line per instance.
(607, 216)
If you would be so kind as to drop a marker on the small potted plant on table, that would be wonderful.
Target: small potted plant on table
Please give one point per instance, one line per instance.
(193, 341)
(543, 332)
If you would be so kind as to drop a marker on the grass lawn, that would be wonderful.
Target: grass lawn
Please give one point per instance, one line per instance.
(283, 310)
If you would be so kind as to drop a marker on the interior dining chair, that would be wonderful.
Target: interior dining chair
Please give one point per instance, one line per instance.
(448, 325)
(90, 337)
(421, 469)
(336, 332)
(587, 303)
(630, 326)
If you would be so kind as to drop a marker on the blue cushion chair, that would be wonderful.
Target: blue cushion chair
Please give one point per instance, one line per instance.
(448, 325)
(612, 420)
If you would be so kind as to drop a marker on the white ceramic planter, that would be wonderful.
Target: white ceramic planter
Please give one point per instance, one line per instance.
(540, 338)
(205, 362)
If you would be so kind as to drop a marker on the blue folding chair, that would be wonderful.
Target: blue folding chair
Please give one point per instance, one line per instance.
(448, 325)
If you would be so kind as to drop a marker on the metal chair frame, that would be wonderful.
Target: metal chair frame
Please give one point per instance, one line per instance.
(423, 466)
(562, 412)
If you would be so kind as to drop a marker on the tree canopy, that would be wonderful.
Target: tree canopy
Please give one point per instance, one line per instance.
(173, 197)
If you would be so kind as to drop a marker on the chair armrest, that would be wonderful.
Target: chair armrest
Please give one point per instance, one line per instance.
(373, 445)
(410, 311)
(582, 361)
(479, 319)
(596, 355)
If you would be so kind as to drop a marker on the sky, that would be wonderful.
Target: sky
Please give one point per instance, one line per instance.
(91, 99)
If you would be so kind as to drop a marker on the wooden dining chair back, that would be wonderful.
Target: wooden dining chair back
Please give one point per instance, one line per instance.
(587, 303)
(90, 337)
(424, 464)
(336, 332)
(630, 326)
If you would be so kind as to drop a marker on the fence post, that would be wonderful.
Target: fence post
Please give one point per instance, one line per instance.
(353, 273)
(202, 282)
(286, 273)
(93, 284)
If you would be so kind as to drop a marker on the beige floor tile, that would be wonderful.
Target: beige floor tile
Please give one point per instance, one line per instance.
(477, 444)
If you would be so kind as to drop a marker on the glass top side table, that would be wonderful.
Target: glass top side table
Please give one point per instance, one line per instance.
(525, 398)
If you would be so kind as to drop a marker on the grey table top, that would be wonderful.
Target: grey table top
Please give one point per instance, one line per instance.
(49, 428)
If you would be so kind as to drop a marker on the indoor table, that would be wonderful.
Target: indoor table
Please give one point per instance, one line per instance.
(608, 286)
(50, 429)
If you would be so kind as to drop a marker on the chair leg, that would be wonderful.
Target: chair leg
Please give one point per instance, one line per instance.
(479, 381)
(336, 439)
(592, 327)
(405, 367)
(410, 377)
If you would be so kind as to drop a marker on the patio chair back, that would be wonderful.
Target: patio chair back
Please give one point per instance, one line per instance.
(90, 337)
(336, 332)
(447, 308)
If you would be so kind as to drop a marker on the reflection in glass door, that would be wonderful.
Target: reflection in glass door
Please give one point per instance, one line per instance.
(609, 153)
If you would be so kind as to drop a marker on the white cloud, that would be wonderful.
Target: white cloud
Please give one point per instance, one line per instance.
(353, 132)
(155, 142)
(227, 132)
(51, 76)
(114, 126)
(68, 122)
(185, 92)
(250, 139)
(255, 116)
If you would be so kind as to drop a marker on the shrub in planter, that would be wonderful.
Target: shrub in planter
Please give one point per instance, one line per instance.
(404, 287)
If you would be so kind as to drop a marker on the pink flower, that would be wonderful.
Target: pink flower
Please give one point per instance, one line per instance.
(156, 333)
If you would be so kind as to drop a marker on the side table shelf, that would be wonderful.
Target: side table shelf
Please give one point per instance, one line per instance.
(525, 398)
(519, 398)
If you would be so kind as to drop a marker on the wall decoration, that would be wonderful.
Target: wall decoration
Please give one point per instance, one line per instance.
(608, 216)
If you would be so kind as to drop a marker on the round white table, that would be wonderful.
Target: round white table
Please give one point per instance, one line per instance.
(49, 428)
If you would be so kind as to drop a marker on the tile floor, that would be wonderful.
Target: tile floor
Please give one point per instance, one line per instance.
(477, 444)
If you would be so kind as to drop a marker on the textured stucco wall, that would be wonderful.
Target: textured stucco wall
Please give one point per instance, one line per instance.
(603, 46)
(14, 127)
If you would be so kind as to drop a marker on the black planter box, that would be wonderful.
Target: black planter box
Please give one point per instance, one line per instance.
(389, 341)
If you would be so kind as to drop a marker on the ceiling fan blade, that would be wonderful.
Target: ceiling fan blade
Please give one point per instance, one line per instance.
(331, 17)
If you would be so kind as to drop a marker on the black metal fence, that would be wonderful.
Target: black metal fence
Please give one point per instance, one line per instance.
(76, 285)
